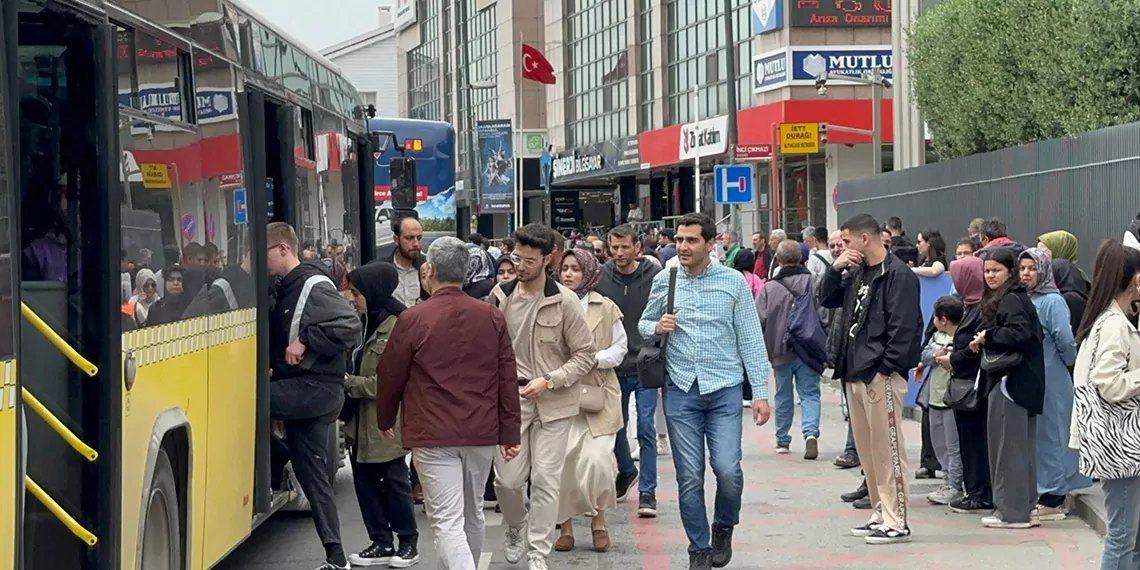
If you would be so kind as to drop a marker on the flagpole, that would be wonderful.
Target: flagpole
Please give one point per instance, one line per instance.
(520, 139)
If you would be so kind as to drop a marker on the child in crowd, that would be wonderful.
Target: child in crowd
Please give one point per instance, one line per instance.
(948, 313)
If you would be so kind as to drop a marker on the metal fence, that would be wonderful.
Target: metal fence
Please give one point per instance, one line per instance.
(1088, 185)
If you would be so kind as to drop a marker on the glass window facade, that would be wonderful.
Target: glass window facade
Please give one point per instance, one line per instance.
(645, 16)
(484, 69)
(694, 43)
(598, 100)
(425, 81)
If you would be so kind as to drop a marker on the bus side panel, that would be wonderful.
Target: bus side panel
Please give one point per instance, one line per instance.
(172, 363)
(9, 402)
(227, 518)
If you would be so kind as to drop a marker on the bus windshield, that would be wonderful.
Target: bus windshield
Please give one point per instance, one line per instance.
(435, 175)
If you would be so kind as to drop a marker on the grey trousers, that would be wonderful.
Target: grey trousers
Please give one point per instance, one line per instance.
(944, 439)
(1013, 458)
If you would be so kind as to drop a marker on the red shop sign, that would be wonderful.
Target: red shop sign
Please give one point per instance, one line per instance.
(746, 151)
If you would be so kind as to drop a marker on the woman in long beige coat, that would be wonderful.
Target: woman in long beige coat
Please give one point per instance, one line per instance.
(589, 475)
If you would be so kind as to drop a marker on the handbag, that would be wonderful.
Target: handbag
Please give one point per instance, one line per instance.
(963, 395)
(593, 398)
(1000, 363)
(1108, 449)
(651, 359)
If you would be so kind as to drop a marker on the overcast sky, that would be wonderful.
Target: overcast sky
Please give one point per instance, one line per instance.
(321, 23)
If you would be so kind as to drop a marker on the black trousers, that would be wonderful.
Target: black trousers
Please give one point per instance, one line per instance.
(972, 434)
(384, 491)
(308, 408)
(928, 460)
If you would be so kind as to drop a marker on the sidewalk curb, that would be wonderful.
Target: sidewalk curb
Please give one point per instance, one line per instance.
(1087, 504)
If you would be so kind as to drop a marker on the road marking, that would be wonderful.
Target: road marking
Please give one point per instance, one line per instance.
(484, 561)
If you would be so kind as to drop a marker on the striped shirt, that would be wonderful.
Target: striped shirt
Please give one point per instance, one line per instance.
(717, 336)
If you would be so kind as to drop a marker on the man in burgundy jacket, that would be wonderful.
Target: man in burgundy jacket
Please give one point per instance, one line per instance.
(449, 362)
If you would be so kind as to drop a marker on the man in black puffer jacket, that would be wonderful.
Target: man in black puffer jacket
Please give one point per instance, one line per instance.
(312, 330)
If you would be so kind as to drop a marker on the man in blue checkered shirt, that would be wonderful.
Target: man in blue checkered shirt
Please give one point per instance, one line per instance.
(715, 343)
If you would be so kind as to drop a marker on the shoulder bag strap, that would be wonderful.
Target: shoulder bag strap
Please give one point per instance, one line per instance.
(669, 302)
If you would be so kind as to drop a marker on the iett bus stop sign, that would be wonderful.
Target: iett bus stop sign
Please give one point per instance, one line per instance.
(799, 138)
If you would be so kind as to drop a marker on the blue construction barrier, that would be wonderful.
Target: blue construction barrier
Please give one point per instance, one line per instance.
(931, 289)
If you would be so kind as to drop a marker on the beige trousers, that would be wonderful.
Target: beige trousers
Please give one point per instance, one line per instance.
(876, 421)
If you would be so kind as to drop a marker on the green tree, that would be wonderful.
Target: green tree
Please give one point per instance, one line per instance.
(991, 74)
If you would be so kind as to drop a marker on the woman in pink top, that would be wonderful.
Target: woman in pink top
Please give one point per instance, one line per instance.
(744, 262)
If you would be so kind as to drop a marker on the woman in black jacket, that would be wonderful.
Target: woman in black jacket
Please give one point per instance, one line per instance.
(1013, 377)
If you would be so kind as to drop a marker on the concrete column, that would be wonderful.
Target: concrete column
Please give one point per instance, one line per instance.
(844, 162)
(909, 131)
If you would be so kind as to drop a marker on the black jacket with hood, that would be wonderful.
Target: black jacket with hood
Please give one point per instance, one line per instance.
(888, 336)
(631, 299)
(1074, 288)
(309, 308)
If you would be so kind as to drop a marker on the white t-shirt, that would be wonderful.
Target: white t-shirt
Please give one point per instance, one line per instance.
(675, 261)
(635, 215)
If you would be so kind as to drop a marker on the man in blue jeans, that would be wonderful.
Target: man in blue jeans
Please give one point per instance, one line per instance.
(793, 374)
(626, 280)
(714, 338)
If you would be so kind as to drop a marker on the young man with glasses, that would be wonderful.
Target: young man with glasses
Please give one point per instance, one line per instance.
(553, 347)
(311, 330)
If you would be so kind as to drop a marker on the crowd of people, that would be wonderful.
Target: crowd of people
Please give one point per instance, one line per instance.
(508, 373)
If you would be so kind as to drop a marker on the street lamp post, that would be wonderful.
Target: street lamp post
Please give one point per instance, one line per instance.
(873, 78)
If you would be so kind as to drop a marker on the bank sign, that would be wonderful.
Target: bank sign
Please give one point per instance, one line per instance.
(708, 137)
(807, 63)
(770, 71)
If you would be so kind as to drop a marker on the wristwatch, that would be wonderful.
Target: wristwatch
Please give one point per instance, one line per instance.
(549, 382)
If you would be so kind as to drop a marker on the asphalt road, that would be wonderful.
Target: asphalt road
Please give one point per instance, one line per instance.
(792, 520)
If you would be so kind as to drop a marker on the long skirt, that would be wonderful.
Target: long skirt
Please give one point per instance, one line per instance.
(589, 475)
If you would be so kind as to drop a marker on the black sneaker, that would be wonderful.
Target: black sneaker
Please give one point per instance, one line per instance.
(924, 473)
(863, 504)
(406, 557)
(856, 494)
(647, 505)
(969, 506)
(374, 555)
(331, 566)
(722, 546)
(624, 483)
(700, 560)
(884, 535)
(864, 530)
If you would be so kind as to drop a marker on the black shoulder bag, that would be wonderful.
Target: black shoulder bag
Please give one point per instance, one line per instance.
(651, 359)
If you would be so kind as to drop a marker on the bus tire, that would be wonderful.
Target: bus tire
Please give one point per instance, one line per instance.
(162, 530)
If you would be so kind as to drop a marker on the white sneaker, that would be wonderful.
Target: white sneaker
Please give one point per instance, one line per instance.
(513, 545)
(662, 445)
(1050, 514)
(635, 451)
(944, 495)
(538, 563)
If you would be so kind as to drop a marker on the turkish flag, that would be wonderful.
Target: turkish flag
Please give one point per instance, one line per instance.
(536, 67)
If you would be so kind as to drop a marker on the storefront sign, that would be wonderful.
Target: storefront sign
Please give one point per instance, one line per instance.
(405, 15)
(767, 16)
(155, 176)
(753, 151)
(610, 158)
(565, 211)
(799, 138)
(811, 62)
(704, 138)
(214, 105)
(770, 71)
(840, 13)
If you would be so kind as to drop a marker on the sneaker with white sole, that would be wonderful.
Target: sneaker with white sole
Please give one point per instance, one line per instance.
(662, 445)
(864, 530)
(1050, 514)
(406, 557)
(811, 447)
(944, 495)
(996, 521)
(513, 545)
(782, 449)
(374, 555)
(331, 566)
(635, 451)
(537, 562)
(886, 535)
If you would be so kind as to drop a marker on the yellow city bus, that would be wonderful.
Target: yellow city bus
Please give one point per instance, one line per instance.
(136, 134)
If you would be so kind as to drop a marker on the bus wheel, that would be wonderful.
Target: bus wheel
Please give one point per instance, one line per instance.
(162, 533)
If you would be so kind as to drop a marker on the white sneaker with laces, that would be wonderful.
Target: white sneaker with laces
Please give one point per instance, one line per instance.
(538, 563)
(662, 445)
(513, 545)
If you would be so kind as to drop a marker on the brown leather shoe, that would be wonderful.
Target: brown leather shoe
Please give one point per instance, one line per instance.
(565, 543)
(601, 540)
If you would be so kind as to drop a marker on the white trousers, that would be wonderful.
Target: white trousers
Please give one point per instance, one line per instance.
(454, 480)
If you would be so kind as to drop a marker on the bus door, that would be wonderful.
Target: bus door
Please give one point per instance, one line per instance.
(65, 250)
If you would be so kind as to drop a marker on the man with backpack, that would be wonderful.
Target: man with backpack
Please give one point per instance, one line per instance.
(797, 346)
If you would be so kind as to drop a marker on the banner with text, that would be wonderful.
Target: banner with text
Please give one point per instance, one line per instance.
(497, 161)
(807, 63)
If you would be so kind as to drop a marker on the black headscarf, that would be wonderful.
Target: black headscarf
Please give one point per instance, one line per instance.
(1074, 288)
(377, 281)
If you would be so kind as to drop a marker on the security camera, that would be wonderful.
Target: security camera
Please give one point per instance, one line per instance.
(821, 85)
(822, 90)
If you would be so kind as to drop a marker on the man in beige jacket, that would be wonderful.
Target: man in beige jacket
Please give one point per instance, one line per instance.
(553, 347)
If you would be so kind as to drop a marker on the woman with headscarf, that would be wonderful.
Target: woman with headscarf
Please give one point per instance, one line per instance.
(380, 472)
(1061, 245)
(480, 272)
(505, 270)
(589, 478)
(1010, 341)
(1074, 286)
(146, 294)
(744, 262)
(966, 273)
(1058, 470)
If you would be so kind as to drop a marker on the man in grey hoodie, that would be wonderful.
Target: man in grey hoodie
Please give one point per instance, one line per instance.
(775, 306)
(626, 280)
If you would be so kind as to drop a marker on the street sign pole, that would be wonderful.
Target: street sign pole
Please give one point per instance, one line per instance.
(876, 121)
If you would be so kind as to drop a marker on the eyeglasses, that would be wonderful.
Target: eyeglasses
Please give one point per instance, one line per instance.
(527, 261)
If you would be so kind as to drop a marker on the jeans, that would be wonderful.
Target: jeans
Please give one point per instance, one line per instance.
(646, 434)
(806, 382)
(695, 419)
(384, 492)
(1122, 541)
(850, 450)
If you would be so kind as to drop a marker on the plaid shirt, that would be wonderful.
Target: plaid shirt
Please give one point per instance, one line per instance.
(718, 335)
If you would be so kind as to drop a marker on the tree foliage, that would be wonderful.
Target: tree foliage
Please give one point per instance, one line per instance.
(991, 74)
